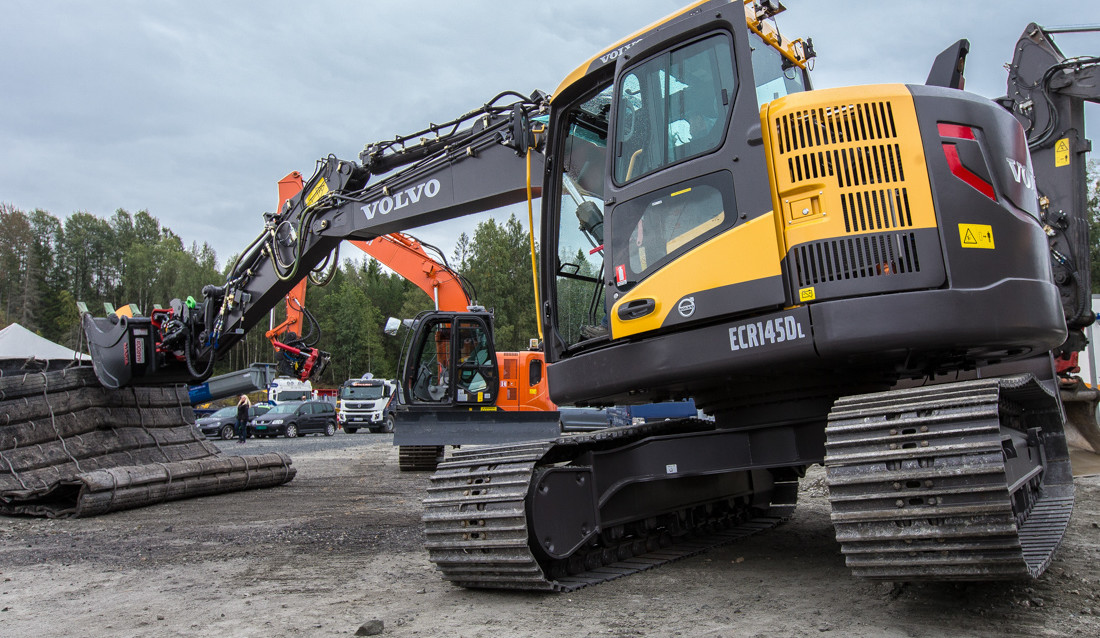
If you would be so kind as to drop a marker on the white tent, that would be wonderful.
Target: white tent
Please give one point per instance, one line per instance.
(16, 342)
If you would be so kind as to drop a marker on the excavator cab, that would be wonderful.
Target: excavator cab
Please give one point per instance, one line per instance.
(452, 362)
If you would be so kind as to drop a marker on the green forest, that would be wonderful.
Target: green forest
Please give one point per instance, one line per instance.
(48, 264)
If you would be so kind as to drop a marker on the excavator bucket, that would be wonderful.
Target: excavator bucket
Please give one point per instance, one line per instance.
(124, 352)
(121, 348)
(1080, 402)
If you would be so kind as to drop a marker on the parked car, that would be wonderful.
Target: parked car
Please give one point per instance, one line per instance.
(222, 423)
(297, 417)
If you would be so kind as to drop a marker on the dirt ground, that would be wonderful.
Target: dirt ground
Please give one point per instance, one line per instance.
(341, 545)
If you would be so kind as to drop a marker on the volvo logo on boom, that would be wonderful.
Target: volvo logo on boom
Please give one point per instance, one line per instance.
(401, 199)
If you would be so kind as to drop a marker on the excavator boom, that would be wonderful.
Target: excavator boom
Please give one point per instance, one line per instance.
(1046, 92)
(476, 162)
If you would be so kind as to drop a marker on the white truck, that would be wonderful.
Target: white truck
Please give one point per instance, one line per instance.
(289, 389)
(366, 403)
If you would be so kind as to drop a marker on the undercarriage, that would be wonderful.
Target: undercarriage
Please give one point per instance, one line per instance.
(966, 481)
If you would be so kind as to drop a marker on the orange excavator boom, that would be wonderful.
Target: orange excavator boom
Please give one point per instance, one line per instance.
(406, 256)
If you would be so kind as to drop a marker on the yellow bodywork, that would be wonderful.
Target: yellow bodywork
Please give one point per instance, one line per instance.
(744, 253)
(845, 162)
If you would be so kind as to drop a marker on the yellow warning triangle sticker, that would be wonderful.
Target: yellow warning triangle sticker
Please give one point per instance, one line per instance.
(976, 236)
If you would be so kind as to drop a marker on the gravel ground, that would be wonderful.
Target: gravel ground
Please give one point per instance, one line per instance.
(341, 545)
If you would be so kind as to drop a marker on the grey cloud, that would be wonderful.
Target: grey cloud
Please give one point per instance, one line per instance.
(193, 110)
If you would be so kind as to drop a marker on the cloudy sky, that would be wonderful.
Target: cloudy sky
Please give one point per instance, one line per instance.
(194, 109)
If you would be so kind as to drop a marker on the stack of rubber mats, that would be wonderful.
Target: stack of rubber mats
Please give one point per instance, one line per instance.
(70, 447)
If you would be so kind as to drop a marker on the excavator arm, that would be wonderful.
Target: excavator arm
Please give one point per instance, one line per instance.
(408, 257)
(1046, 93)
(474, 163)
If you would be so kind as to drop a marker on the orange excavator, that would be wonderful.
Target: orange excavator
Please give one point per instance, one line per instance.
(452, 294)
(522, 383)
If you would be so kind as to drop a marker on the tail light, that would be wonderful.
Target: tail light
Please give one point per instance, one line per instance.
(951, 152)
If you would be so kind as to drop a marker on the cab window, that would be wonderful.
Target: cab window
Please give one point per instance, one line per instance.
(774, 75)
(534, 373)
(652, 229)
(673, 107)
(580, 262)
(475, 373)
(429, 382)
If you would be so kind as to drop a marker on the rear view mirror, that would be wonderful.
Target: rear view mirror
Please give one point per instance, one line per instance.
(393, 324)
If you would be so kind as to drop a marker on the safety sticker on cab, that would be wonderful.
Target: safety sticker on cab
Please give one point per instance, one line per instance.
(755, 334)
(976, 236)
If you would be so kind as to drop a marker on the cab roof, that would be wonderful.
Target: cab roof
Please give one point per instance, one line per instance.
(790, 49)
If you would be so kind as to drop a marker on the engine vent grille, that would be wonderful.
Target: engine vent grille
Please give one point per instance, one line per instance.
(855, 145)
(835, 124)
(852, 195)
(876, 209)
(856, 258)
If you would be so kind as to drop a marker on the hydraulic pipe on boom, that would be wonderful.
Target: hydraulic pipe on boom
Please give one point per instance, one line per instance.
(298, 357)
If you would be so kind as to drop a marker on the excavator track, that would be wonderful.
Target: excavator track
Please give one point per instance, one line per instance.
(476, 522)
(419, 458)
(923, 485)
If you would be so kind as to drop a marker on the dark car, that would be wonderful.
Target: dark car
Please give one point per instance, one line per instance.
(292, 418)
(222, 423)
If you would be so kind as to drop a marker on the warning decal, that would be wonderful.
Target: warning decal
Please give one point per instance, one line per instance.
(1061, 152)
(976, 236)
(319, 191)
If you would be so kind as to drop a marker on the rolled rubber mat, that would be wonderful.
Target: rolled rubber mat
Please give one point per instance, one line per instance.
(70, 447)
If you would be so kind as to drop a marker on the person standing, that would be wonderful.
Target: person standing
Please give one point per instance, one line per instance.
(243, 405)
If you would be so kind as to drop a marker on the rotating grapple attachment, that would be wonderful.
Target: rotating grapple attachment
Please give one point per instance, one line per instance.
(166, 347)
(173, 345)
(300, 361)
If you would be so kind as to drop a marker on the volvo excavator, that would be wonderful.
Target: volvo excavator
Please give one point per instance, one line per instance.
(857, 277)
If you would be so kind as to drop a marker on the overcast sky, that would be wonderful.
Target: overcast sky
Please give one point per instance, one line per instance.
(193, 110)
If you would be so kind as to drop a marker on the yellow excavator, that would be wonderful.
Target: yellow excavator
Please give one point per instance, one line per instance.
(859, 277)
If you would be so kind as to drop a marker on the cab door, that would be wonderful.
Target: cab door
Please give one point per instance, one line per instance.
(452, 361)
(679, 230)
(690, 235)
